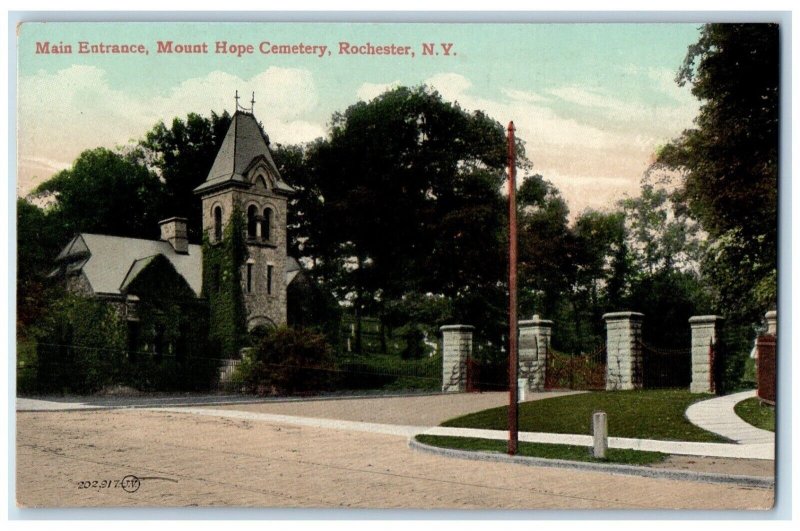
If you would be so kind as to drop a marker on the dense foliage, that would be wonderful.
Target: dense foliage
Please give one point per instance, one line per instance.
(81, 346)
(85, 345)
(729, 161)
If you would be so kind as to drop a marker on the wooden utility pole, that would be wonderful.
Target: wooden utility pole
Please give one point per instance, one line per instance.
(513, 413)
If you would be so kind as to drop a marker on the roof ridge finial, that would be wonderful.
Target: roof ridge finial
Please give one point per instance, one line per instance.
(242, 108)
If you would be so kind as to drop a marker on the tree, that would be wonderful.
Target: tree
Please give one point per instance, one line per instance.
(182, 155)
(604, 261)
(729, 160)
(306, 205)
(409, 187)
(546, 247)
(601, 280)
(660, 236)
(104, 192)
(38, 242)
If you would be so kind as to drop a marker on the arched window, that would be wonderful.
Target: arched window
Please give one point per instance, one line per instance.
(217, 223)
(266, 224)
(251, 221)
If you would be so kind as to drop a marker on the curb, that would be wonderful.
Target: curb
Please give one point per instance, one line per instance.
(629, 470)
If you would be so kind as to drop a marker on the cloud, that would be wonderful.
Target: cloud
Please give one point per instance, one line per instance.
(524, 95)
(451, 86)
(656, 119)
(593, 145)
(369, 91)
(63, 113)
(532, 115)
(593, 161)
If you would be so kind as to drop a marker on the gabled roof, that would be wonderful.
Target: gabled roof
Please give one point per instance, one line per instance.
(293, 268)
(137, 267)
(243, 143)
(110, 263)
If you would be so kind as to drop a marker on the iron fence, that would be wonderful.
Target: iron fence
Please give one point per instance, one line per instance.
(77, 369)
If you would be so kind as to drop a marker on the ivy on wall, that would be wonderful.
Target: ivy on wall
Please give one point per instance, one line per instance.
(164, 300)
(80, 345)
(171, 334)
(86, 345)
(222, 287)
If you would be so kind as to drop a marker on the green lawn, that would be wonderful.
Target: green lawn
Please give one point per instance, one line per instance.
(649, 414)
(390, 372)
(547, 451)
(759, 415)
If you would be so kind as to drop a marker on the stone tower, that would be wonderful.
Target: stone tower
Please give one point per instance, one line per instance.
(244, 176)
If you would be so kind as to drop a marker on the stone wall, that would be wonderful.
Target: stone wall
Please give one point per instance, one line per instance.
(261, 305)
(78, 284)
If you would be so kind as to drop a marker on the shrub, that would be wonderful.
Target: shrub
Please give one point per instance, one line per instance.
(414, 337)
(84, 345)
(287, 361)
(80, 346)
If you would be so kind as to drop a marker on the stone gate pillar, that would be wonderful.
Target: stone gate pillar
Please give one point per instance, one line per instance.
(772, 322)
(624, 350)
(705, 330)
(534, 340)
(456, 348)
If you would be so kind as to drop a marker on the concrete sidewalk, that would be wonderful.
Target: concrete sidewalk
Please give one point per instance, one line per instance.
(750, 451)
(717, 415)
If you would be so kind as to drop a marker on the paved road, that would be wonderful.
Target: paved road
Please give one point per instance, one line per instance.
(430, 410)
(211, 461)
(70, 403)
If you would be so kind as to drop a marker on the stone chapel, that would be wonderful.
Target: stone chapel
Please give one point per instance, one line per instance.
(243, 175)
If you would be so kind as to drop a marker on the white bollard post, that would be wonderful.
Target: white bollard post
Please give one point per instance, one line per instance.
(522, 387)
(600, 434)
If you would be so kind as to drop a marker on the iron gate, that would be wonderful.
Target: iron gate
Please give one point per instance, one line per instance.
(665, 368)
(486, 376)
(568, 371)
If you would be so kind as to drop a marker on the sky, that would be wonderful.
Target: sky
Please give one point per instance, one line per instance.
(593, 102)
